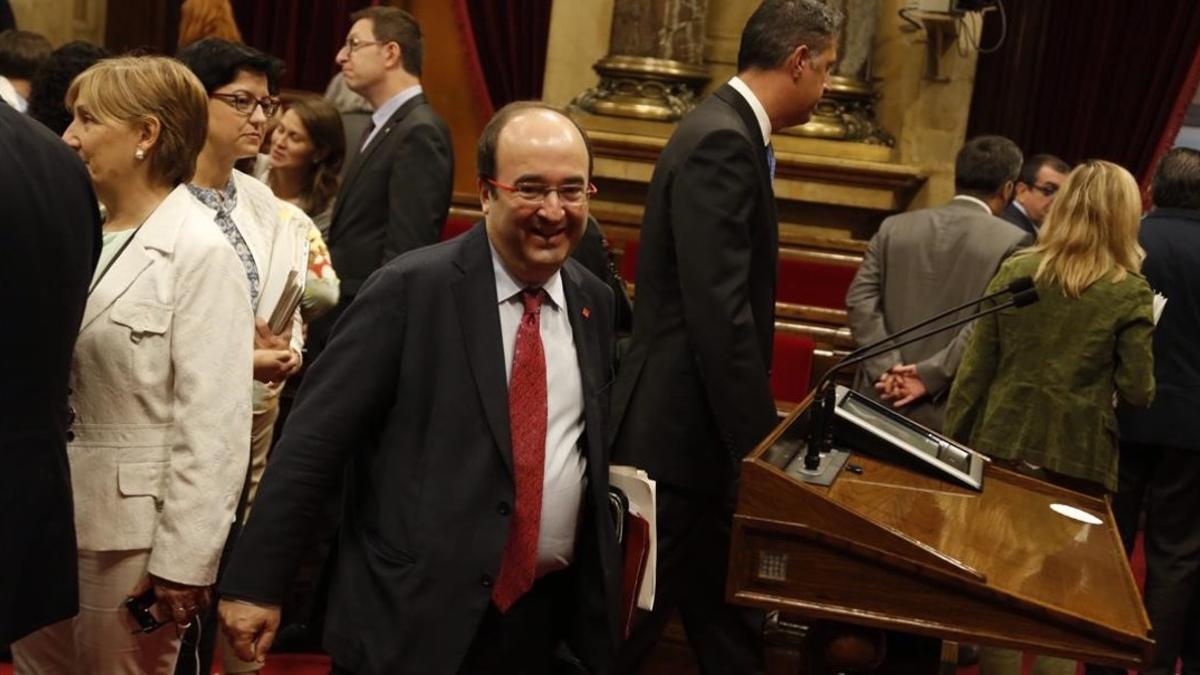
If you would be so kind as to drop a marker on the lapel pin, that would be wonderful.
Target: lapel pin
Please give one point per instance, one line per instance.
(587, 313)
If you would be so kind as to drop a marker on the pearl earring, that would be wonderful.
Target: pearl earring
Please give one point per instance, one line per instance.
(139, 153)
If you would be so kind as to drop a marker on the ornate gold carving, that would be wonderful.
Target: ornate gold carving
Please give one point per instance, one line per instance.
(845, 113)
(643, 88)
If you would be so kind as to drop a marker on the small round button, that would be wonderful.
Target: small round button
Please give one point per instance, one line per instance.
(485, 581)
(70, 436)
(503, 509)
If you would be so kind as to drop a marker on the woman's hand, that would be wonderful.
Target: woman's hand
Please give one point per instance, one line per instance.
(274, 360)
(177, 602)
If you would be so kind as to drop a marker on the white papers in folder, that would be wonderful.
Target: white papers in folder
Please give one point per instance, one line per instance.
(289, 300)
(640, 491)
(1160, 301)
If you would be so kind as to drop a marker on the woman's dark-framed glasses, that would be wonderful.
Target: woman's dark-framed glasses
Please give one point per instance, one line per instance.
(244, 103)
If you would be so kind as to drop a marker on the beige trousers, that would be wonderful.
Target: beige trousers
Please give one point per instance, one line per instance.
(101, 638)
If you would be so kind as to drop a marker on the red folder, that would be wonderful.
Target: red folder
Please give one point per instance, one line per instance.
(637, 548)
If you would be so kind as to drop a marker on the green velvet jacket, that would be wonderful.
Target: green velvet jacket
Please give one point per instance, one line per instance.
(1036, 383)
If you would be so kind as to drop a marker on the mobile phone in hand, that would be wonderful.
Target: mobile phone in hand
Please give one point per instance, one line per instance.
(139, 608)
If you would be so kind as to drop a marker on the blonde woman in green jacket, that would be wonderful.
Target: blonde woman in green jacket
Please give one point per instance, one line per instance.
(1036, 384)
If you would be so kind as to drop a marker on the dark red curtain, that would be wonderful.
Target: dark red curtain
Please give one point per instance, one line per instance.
(510, 42)
(1086, 79)
(305, 34)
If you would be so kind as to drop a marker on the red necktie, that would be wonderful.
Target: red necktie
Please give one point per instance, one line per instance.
(527, 419)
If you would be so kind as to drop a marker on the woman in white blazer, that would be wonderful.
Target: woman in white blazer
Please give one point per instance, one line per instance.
(269, 235)
(158, 448)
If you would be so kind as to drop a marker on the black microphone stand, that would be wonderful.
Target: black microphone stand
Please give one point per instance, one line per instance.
(821, 412)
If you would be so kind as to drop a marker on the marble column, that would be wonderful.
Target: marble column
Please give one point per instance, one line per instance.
(655, 63)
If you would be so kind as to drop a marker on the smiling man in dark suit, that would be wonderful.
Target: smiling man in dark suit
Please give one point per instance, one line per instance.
(395, 194)
(464, 393)
(693, 395)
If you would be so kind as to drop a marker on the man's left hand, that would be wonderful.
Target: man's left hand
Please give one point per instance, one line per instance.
(901, 385)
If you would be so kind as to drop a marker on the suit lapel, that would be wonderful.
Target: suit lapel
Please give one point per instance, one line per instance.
(770, 210)
(364, 156)
(479, 316)
(158, 232)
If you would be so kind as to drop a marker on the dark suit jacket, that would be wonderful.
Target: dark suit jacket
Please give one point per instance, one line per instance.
(1171, 238)
(693, 394)
(1015, 216)
(50, 235)
(411, 399)
(394, 196)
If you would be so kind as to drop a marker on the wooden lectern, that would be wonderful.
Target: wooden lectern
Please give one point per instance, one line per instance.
(893, 546)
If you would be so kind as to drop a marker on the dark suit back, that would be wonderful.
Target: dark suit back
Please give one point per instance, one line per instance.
(693, 395)
(394, 196)
(411, 395)
(50, 237)
(1171, 238)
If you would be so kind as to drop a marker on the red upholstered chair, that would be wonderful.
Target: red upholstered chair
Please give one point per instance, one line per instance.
(791, 366)
(456, 225)
(813, 282)
(629, 255)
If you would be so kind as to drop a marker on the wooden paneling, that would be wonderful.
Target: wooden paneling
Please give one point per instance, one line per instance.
(445, 80)
(142, 24)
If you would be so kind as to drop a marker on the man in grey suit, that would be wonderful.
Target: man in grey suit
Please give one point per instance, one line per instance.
(926, 261)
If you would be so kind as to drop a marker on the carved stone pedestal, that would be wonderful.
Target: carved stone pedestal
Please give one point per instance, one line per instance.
(846, 113)
(643, 88)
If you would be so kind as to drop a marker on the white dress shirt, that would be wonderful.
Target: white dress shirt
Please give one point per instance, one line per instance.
(8, 93)
(977, 201)
(563, 477)
(760, 113)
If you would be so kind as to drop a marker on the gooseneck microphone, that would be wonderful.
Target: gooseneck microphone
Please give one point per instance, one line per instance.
(820, 436)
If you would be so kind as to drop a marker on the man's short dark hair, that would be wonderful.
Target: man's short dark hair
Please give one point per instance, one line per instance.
(1176, 183)
(485, 152)
(985, 164)
(392, 24)
(216, 63)
(21, 52)
(48, 88)
(777, 27)
(1031, 167)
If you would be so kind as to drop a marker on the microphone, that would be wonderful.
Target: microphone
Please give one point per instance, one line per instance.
(820, 436)
(1014, 287)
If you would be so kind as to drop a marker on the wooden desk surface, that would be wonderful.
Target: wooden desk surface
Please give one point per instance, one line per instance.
(1007, 533)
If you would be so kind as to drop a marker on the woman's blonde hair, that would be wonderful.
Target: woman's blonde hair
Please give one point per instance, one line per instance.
(1091, 230)
(134, 89)
(199, 19)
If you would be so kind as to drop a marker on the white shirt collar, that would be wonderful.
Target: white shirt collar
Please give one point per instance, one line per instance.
(507, 286)
(9, 94)
(975, 200)
(1021, 208)
(390, 106)
(760, 113)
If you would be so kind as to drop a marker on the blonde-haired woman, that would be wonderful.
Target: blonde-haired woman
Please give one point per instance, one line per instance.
(158, 454)
(1036, 384)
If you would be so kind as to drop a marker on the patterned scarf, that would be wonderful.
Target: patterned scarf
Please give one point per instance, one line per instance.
(223, 202)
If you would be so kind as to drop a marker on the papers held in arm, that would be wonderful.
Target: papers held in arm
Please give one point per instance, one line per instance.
(289, 300)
